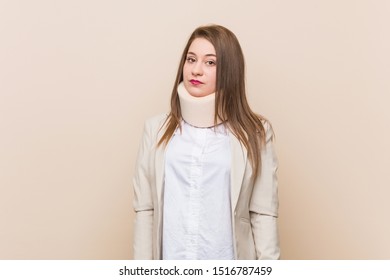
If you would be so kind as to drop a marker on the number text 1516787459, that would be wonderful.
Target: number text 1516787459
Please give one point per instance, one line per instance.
(242, 270)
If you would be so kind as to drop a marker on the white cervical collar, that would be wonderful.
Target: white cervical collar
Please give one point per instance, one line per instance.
(197, 111)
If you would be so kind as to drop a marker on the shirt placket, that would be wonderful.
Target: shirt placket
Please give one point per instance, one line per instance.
(196, 170)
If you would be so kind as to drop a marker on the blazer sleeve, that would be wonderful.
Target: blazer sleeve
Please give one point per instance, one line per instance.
(143, 201)
(264, 202)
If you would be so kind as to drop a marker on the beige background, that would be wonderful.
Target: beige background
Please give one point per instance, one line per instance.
(79, 77)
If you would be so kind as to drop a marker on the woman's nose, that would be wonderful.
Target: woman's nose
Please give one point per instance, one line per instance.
(197, 70)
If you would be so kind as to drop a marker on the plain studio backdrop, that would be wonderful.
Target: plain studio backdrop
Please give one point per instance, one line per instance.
(79, 77)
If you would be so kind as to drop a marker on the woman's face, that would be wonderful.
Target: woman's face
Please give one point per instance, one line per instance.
(200, 68)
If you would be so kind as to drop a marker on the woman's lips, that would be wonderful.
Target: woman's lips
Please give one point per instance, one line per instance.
(195, 82)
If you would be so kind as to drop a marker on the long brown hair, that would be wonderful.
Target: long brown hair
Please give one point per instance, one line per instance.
(230, 95)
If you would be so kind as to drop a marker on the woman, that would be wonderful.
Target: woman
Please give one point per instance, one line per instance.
(205, 185)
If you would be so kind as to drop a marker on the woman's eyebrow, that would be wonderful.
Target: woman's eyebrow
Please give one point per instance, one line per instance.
(210, 54)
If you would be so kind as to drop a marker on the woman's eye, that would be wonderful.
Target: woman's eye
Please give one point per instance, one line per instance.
(190, 59)
(210, 63)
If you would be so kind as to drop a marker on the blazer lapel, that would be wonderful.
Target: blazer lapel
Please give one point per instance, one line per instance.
(238, 160)
(159, 165)
(158, 210)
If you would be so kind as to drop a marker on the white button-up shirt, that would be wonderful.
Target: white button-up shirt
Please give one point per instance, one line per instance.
(197, 222)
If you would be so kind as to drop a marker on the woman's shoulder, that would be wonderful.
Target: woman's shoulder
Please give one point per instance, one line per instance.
(268, 129)
(266, 124)
(157, 118)
(156, 122)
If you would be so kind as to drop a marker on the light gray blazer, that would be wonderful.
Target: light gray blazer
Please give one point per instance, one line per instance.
(254, 204)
